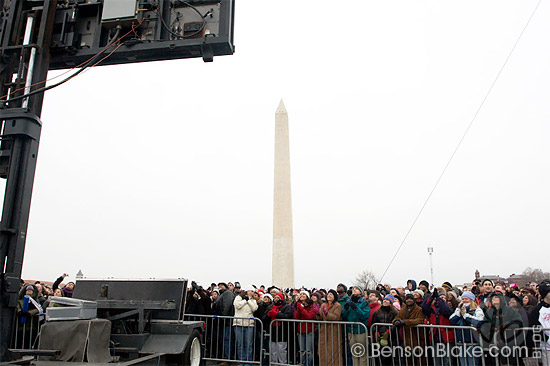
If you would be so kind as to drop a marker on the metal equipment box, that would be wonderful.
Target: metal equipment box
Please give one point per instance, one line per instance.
(71, 309)
(114, 10)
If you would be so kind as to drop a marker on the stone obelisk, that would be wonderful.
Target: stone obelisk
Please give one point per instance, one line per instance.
(282, 265)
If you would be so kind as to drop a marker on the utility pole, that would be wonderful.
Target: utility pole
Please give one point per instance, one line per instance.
(430, 252)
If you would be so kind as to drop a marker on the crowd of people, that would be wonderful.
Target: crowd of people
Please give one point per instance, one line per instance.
(491, 308)
(34, 298)
(322, 326)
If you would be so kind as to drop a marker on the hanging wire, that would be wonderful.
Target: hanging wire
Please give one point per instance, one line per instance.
(460, 141)
(91, 62)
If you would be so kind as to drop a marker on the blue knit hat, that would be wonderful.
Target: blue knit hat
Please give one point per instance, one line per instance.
(470, 295)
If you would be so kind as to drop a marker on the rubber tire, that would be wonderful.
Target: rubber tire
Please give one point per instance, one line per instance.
(195, 343)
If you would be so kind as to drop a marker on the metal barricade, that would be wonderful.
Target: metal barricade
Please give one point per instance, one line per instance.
(231, 339)
(426, 344)
(522, 345)
(26, 332)
(287, 342)
(313, 342)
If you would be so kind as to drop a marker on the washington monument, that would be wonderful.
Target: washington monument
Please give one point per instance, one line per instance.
(282, 265)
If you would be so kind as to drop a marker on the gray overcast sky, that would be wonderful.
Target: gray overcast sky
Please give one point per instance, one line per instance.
(165, 169)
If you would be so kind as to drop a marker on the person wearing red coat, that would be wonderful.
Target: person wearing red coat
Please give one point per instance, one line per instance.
(306, 330)
(438, 312)
(277, 314)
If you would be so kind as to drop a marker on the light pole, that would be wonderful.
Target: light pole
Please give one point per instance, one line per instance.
(430, 252)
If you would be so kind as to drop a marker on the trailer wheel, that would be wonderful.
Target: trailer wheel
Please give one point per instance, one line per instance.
(193, 351)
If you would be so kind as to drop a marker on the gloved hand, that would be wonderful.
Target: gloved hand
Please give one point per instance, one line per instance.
(346, 305)
(245, 297)
(462, 310)
(353, 305)
(399, 323)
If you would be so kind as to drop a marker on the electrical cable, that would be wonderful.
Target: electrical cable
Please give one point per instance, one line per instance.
(91, 62)
(461, 139)
(57, 76)
(43, 89)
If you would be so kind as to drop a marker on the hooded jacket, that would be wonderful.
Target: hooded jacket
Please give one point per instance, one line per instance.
(502, 320)
(32, 310)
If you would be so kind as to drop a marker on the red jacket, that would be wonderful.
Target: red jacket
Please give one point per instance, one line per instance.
(373, 307)
(305, 313)
(439, 315)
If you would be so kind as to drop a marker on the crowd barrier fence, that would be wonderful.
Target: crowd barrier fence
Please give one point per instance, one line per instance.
(26, 331)
(287, 342)
(231, 339)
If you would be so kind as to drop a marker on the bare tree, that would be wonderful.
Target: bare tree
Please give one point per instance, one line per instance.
(367, 280)
(535, 274)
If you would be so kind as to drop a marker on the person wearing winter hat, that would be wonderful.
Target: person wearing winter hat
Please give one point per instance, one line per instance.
(316, 297)
(452, 299)
(425, 287)
(342, 299)
(356, 310)
(385, 335)
(539, 315)
(500, 316)
(418, 296)
(411, 286)
(276, 314)
(397, 301)
(28, 311)
(224, 307)
(214, 295)
(467, 313)
(330, 334)
(265, 301)
(245, 306)
(410, 315)
(516, 303)
(342, 291)
(437, 311)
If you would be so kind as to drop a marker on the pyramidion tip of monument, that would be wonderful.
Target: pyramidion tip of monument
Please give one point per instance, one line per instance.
(281, 108)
